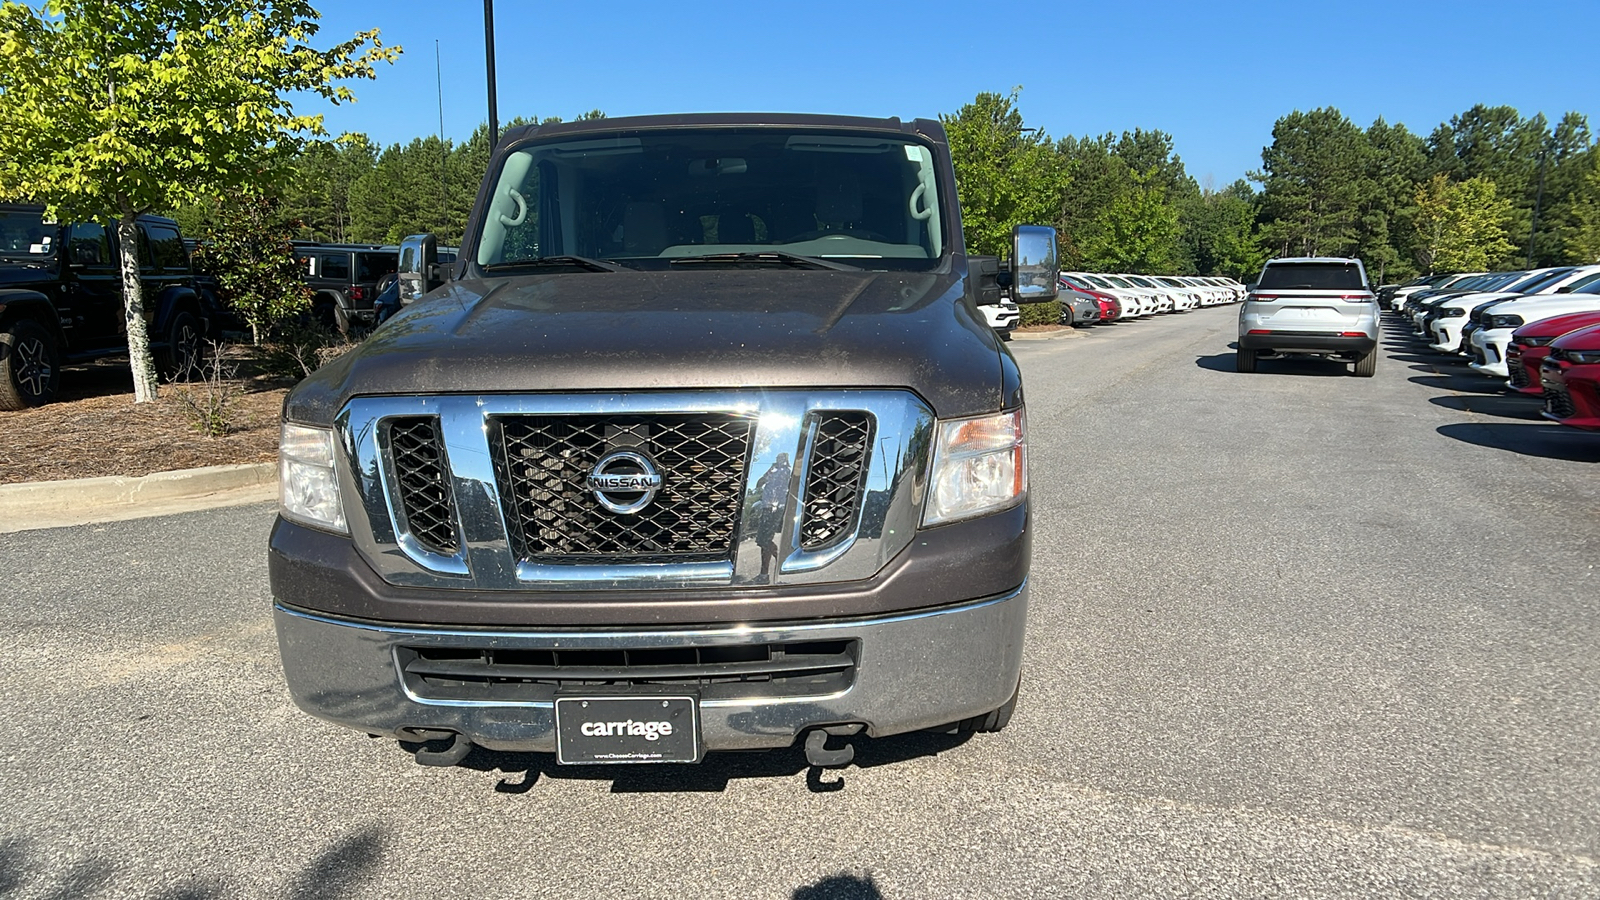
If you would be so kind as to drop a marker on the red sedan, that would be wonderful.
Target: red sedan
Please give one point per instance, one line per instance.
(1571, 376)
(1530, 344)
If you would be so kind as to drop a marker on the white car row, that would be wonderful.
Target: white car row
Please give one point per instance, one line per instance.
(1138, 296)
(1474, 315)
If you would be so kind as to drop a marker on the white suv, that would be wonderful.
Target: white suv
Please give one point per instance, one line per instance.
(1310, 305)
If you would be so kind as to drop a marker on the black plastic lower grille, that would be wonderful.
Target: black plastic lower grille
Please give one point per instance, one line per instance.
(426, 500)
(543, 462)
(749, 671)
(1516, 371)
(835, 473)
(1559, 404)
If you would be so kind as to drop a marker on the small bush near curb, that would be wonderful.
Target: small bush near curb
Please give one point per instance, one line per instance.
(1040, 314)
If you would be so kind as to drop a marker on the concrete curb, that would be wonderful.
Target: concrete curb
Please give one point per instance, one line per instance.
(82, 501)
(1064, 334)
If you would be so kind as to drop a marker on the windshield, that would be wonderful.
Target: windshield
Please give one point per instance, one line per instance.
(644, 200)
(23, 235)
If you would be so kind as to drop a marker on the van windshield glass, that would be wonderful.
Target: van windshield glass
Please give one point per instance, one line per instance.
(647, 198)
(1312, 276)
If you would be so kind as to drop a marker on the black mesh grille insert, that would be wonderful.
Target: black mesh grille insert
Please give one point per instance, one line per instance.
(425, 497)
(745, 671)
(1559, 403)
(1516, 370)
(543, 462)
(833, 481)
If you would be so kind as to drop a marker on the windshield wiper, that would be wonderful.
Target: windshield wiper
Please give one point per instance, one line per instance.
(767, 258)
(564, 262)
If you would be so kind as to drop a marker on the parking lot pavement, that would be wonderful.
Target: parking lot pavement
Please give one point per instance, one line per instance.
(1293, 634)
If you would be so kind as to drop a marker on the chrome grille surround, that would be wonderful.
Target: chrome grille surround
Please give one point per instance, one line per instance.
(490, 554)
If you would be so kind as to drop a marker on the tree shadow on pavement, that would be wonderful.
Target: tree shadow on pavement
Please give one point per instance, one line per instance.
(1547, 441)
(712, 774)
(340, 871)
(1506, 406)
(840, 887)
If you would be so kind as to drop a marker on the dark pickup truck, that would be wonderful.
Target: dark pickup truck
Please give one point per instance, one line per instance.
(701, 444)
(61, 300)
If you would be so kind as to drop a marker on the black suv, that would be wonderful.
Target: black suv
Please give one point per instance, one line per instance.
(61, 300)
(344, 279)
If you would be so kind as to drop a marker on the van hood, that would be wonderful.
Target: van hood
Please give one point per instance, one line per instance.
(677, 330)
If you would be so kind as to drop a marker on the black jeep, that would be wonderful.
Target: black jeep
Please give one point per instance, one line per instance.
(61, 300)
(345, 279)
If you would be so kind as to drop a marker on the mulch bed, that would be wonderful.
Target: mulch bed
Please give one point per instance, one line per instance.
(95, 428)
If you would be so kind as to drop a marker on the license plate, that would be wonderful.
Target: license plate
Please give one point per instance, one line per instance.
(606, 730)
(1307, 312)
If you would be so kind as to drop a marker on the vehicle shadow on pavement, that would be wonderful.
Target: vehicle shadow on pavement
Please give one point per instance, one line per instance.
(1467, 383)
(713, 773)
(1306, 366)
(1547, 441)
(1506, 406)
(341, 870)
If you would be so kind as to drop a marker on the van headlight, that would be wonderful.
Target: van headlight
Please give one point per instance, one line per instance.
(980, 465)
(308, 487)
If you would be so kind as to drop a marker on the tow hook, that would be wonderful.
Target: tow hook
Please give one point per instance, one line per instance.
(450, 756)
(817, 753)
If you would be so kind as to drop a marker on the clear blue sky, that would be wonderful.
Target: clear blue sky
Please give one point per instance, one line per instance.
(1215, 76)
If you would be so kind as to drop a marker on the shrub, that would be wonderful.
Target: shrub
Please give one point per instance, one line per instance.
(208, 399)
(1048, 313)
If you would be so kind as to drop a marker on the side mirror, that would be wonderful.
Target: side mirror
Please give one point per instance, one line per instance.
(85, 254)
(1564, 289)
(419, 267)
(1251, 287)
(1034, 271)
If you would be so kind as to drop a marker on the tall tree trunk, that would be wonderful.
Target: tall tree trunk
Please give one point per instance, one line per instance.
(144, 368)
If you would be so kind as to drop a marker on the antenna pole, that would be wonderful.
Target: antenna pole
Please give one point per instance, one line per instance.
(488, 55)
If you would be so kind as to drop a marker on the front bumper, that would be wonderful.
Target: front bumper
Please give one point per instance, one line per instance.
(1447, 335)
(1489, 352)
(914, 670)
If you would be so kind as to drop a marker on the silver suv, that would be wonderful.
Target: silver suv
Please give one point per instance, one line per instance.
(1315, 306)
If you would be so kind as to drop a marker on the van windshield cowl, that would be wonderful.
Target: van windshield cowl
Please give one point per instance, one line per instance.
(738, 196)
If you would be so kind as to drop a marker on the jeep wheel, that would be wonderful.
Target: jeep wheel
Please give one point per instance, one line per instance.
(1367, 365)
(30, 365)
(1244, 360)
(184, 358)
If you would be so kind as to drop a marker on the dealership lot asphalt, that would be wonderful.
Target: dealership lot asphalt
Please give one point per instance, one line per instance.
(1294, 634)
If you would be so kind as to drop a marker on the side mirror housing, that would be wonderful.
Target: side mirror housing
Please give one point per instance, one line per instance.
(1034, 271)
(1251, 287)
(984, 273)
(419, 267)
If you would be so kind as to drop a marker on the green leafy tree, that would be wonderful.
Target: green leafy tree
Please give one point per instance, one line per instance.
(1583, 237)
(1461, 225)
(246, 248)
(1006, 174)
(110, 110)
(318, 193)
(1314, 183)
(1220, 227)
(1137, 231)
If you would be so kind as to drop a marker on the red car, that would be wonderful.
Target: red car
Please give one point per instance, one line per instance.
(1530, 344)
(1571, 376)
(1110, 307)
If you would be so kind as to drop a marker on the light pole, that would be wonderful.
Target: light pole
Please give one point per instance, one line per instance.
(488, 55)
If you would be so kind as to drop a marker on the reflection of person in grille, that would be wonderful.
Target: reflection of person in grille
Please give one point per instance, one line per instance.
(774, 488)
